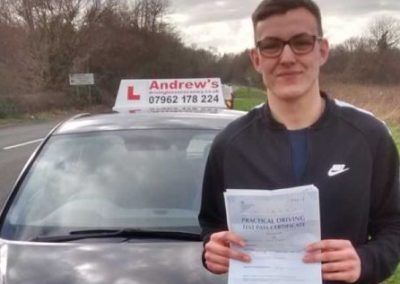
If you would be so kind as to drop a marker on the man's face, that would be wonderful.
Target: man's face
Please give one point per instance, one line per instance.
(290, 76)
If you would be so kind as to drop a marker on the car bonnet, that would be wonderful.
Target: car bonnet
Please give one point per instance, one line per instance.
(131, 262)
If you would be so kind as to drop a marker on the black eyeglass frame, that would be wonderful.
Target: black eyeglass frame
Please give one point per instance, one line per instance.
(288, 42)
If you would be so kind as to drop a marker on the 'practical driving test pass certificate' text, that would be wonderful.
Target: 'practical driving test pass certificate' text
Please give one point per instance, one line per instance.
(277, 225)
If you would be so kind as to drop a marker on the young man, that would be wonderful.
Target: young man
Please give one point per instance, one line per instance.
(301, 136)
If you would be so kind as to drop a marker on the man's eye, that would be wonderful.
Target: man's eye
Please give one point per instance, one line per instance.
(272, 45)
(302, 43)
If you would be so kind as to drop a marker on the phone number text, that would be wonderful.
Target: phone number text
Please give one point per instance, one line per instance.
(186, 99)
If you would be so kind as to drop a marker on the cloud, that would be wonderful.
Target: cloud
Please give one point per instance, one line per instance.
(224, 37)
(225, 25)
(208, 11)
(217, 11)
(356, 8)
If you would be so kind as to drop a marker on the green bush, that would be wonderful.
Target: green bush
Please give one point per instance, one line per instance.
(396, 135)
(7, 108)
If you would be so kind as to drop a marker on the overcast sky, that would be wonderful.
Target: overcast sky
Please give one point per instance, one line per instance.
(225, 25)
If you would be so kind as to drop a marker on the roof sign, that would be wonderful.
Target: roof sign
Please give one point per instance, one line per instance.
(137, 94)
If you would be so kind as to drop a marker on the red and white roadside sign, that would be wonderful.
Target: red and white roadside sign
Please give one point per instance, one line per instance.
(137, 94)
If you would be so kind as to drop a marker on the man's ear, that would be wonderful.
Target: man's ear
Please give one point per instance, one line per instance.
(255, 59)
(324, 51)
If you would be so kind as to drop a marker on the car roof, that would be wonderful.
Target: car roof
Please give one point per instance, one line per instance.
(156, 119)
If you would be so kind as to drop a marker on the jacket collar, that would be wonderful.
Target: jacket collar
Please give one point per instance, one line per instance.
(323, 121)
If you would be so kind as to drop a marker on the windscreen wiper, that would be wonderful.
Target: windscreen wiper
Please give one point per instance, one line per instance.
(119, 233)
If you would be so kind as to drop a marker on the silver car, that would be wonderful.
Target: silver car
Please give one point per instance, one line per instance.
(112, 198)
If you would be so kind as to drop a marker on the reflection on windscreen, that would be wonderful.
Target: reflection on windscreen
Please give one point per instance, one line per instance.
(140, 178)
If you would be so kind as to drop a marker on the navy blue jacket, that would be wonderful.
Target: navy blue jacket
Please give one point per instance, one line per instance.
(352, 159)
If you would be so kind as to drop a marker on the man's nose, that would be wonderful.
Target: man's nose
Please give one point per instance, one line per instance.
(287, 55)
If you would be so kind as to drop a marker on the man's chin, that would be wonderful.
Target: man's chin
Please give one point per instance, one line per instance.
(288, 94)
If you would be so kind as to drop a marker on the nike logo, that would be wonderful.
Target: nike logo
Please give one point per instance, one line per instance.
(337, 169)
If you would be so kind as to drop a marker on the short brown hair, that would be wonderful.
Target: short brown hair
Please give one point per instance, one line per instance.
(268, 8)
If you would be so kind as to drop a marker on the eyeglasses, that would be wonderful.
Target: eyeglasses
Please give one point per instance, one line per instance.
(271, 47)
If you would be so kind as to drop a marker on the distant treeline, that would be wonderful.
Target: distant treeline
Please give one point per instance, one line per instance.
(43, 41)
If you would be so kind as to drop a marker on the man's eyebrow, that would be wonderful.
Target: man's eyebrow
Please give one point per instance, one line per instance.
(269, 38)
(276, 37)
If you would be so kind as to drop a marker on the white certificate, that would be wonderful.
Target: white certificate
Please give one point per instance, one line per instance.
(277, 225)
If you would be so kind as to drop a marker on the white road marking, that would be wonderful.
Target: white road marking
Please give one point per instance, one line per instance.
(23, 144)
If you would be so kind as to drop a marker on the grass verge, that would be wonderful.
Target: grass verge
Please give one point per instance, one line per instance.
(49, 115)
(18, 118)
(246, 98)
(396, 135)
(395, 279)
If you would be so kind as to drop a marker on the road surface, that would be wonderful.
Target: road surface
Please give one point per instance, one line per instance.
(17, 143)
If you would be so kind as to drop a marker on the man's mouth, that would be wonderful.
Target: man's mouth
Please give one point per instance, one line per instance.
(288, 74)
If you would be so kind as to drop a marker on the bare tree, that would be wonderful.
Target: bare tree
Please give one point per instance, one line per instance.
(51, 33)
(385, 32)
(356, 44)
(48, 39)
(149, 13)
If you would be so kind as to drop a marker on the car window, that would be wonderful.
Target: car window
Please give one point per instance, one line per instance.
(199, 145)
(115, 179)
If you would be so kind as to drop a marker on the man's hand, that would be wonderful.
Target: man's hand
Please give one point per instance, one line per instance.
(218, 251)
(340, 261)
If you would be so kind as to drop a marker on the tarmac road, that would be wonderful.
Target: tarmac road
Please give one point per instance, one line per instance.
(17, 143)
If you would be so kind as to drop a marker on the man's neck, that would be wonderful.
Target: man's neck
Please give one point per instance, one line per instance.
(298, 113)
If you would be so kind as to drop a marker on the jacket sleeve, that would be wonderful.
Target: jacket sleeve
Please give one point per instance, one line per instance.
(212, 216)
(380, 256)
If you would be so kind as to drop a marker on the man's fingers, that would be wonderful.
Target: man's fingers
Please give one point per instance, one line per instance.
(224, 250)
(338, 266)
(219, 244)
(228, 237)
(329, 256)
(329, 245)
(340, 261)
(217, 268)
(347, 276)
(217, 248)
(239, 256)
(218, 251)
(217, 259)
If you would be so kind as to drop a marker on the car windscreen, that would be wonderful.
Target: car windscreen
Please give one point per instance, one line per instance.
(112, 179)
